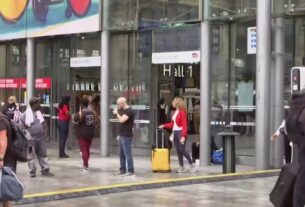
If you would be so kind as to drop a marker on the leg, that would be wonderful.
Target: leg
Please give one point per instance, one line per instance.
(88, 150)
(42, 154)
(186, 154)
(128, 153)
(287, 149)
(63, 136)
(178, 147)
(122, 156)
(31, 163)
(299, 189)
(83, 149)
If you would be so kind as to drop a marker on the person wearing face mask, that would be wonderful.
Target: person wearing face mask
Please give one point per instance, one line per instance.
(33, 121)
(10, 108)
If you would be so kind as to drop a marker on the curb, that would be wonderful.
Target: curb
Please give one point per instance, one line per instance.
(119, 188)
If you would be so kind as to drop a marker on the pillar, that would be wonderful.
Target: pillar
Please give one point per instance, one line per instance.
(205, 88)
(105, 118)
(263, 84)
(30, 69)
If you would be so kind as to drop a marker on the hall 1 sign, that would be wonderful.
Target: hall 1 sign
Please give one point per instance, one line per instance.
(177, 71)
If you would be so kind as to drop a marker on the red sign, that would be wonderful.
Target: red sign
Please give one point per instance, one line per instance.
(43, 83)
(15, 83)
(10, 83)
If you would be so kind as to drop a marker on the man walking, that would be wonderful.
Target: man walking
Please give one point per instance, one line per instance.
(6, 157)
(125, 115)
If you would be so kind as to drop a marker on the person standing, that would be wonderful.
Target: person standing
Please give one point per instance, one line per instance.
(179, 127)
(86, 120)
(125, 115)
(63, 124)
(10, 108)
(33, 121)
(6, 157)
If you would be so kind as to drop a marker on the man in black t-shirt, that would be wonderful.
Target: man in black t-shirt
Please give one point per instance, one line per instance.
(6, 157)
(125, 115)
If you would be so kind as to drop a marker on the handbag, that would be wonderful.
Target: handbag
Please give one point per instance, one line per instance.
(11, 188)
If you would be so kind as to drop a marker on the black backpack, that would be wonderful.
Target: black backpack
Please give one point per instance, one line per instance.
(294, 128)
(19, 145)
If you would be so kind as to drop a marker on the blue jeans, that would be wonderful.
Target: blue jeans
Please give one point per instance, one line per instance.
(125, 144)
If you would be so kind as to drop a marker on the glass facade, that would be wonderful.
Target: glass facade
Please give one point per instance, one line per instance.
(233, 9)
(134, 14)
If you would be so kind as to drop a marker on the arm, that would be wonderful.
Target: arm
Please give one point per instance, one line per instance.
(278, 131)
(3, 146)
(184, 124)
(169, 125)
(122, 119)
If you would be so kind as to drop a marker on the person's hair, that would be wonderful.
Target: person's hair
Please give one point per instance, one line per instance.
(85, 102)
(180, 105)
(297, 104)
(35, 104)
(64, 101)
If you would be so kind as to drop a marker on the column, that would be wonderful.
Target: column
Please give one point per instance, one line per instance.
(205, 88)
(105, 122)
(278, 106)
(263, 84)
(30, 68)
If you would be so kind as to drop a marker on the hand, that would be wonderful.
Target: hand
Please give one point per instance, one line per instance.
(115, 111)
(182, 140)
(274, 136)
(161, 127)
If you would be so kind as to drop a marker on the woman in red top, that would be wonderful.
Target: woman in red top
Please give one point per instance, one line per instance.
(63, 124)
(179, 127)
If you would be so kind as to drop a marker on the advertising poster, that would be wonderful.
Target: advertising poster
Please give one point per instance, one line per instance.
(37, 18)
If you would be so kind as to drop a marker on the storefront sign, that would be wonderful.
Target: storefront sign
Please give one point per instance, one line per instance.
(85, 86)
(252, 42)
(43, 83)
(177, 71)
(129, 90)
(80, 62)
(176, 57)
(10, 83)
(34, 18)
(16, 83)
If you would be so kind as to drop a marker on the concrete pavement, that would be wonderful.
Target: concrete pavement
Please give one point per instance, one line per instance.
(70, 181)
(250, 193)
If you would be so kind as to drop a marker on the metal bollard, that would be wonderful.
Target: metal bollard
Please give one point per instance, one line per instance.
(229, 160)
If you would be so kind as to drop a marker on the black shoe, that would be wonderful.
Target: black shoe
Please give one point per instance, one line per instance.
(63, 156)
(33, 175)
(47, 173)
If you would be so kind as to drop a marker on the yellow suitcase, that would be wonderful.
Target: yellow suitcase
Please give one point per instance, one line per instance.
(160, 156)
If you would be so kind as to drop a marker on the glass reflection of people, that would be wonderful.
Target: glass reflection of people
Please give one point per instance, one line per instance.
(180, 131)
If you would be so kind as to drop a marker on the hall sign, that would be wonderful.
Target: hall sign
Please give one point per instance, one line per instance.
(177, 71)
(16, 83)
(176, 57)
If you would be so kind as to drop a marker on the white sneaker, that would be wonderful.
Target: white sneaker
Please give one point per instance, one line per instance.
(181, 170)
(86, 170)
(129, 174)
(192, 168)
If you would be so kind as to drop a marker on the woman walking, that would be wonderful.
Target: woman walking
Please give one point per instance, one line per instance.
(86, 120)
(63, 124)
(179, 127)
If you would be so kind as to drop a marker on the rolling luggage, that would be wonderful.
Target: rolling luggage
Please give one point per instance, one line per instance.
(282, 194)
(160, 156)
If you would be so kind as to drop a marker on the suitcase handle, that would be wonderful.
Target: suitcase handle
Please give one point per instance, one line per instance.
(157, 140)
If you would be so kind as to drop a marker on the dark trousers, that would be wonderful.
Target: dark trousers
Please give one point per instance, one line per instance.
(126, 154)
(299, 187)
(181, 149)
(84, 145)
(63, 128)
(287, 149)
